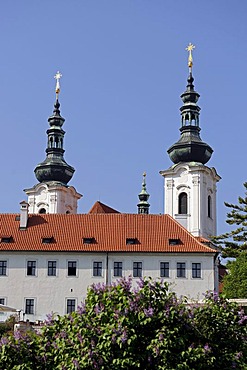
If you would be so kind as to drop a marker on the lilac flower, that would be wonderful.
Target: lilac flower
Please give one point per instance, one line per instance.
(126, 283)
(4, 341)
(97, 309)
(63, 334)
(17, 334)
(239, 355)
(124, 336)
(141, 283)
(149, 312)
(79, 337)
(81, 309)
(207, 348)
(49, 318)
(76, 363)
(161, 336)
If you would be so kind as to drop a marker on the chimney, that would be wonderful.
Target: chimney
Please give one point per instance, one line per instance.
(23, 215)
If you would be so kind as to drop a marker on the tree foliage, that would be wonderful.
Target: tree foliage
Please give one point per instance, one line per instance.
(121, 327)
(235, 282)
(235, 241)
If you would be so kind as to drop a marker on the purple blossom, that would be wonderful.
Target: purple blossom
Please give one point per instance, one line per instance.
(207, 348)
(49, 318)
(161, 336)
(81, 309)
(141, 283)
(76, 363)
(124, 336)
(63, 334)
(239, 355)
(149, 312)
(17, 334)
(4, 341)
(79, 337)
(126, 283)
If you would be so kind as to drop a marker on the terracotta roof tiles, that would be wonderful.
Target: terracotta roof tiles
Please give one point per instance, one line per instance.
(109, 232)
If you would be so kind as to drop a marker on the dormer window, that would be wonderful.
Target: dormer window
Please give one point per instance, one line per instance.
(88, 240)
(131, 241)
(48, 240)
(6, 239)
(174, 241)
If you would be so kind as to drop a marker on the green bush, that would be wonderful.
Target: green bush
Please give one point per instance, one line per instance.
(119, 327)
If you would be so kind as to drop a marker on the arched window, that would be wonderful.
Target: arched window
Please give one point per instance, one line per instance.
(42, 211)
(182, 204)
(209, 206)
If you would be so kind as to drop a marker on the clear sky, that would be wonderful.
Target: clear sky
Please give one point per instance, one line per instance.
(124, 67)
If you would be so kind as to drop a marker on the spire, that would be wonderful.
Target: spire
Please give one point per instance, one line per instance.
(190, 147)
(143, 205)
(54, 168)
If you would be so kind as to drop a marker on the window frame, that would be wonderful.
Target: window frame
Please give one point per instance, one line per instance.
(165, 269)
(70, 274)
(31, 306)
(181, 270)
(3, 269)
(195, 269)
(183, 203)
(209, 200)
(31, 267)
(67, 310)
(97, 268)
(52, 268)
(137, 269)
(118, 270)
(4, 300)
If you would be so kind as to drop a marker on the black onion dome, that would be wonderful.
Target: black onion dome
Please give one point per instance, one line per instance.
(190, 147)
(54, 167)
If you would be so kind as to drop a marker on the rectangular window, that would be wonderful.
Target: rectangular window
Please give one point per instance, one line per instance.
(137, 269)
(181, 269)
(2, 301)
(118, 268)
(97, 269)
(29, 310)
(70, 305)
(164, 269)
(71, 268)
(52, 266)
(3, 268)
(31, 268)
(196, 271)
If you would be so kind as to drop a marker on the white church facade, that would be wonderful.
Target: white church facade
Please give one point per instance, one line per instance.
(49, 254)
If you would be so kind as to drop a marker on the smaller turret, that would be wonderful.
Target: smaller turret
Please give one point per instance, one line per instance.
(143, 205)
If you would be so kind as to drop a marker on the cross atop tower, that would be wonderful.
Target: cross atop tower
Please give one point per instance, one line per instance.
(57, 77)
(190, 48)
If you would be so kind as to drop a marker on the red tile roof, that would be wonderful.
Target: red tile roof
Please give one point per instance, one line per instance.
(99, 207)
(109, 231)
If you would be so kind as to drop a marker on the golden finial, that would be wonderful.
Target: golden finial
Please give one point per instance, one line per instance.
(189, 48)
(144, 174)
(57, 77)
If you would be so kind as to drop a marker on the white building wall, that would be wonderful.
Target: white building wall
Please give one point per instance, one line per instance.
(198, 182)
(50, 292)
(53, 197)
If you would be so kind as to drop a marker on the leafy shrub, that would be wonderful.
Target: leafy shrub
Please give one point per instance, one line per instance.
(148, 327)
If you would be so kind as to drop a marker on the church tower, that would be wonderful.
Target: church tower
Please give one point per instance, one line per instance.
(190, 186)
(143, 205)
(52, 194)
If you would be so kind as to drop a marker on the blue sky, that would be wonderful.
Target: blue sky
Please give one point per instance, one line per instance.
(124, 67)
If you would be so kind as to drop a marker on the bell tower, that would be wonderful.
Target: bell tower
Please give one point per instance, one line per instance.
(189, 185)
(52, 194)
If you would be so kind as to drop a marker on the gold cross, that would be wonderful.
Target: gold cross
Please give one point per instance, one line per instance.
(189, 48)
(57, 77)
